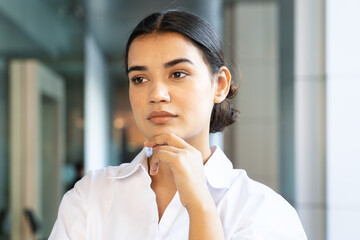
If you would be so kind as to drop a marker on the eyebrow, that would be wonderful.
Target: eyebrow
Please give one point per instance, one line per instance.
(166, 65)
(137, 68)
(177, 61)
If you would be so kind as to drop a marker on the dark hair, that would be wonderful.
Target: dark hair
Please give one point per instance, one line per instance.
(202, 34)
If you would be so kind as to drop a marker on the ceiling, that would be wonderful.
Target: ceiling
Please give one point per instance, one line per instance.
(54, 30)
(112, 21)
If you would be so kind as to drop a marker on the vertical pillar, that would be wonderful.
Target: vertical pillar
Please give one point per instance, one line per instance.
(97, 133)
(310, 115)
(4, 102)
(286, 100)
(343, 119)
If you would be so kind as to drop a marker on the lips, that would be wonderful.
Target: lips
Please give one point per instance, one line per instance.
(160, 117)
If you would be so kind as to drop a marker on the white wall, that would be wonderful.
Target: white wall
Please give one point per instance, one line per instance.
(343, 119)
(310, 116)
(97, 133)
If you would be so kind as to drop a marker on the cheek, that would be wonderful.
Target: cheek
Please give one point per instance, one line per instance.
(135, 101)
(200, 101)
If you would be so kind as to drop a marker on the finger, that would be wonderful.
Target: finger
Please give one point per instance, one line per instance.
(153, 165)
(167, 148)
(150, 151)
(161, 155)
(166, 139)
(154, 168)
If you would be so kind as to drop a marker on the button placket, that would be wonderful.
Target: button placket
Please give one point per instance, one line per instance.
(167, 222)
(169, 215)
(154, 228)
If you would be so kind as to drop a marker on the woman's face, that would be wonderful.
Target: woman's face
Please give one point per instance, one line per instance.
(171, 88)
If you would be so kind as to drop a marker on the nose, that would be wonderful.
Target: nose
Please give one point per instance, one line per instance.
(159, 92)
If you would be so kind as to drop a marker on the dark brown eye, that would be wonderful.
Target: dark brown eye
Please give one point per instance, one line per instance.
(178, 74)
(138, 80)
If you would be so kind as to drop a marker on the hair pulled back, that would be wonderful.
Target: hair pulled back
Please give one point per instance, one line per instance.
(202, 34)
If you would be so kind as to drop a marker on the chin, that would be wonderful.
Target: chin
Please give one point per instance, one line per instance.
(157, 132)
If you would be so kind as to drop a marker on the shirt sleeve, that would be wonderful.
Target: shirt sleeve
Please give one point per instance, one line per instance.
(71, 219)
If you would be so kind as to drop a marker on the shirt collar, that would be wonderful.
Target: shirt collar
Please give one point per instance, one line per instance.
(140, 161)
(217, 169)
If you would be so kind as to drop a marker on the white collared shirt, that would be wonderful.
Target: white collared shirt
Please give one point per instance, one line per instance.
(118, 203)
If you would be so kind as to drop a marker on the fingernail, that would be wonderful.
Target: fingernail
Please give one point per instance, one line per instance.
(152, 172)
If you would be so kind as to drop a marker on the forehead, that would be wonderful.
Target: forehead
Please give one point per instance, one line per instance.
(162, 47)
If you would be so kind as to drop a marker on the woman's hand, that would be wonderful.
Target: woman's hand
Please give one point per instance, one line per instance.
(186, 163)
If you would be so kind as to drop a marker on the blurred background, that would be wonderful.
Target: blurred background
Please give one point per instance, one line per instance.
(64, 107)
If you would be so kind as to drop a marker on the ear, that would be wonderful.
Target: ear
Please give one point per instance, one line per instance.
(222, 84)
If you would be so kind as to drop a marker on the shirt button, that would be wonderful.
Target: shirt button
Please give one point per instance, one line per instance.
(167, 222)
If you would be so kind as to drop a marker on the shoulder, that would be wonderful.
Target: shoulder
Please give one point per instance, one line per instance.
(75, 205)
(93, 182)
(253, 194)
(261, 210)
(248, 188)
(99, 177)
(260, 196)
(105, 173)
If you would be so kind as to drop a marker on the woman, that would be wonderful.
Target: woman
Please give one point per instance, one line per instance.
(179, 88)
